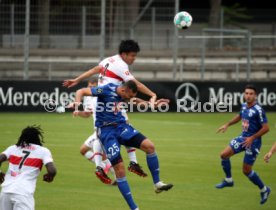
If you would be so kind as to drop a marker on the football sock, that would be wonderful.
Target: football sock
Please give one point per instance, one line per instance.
(108, 164)
(131, 154)
(226, 166)
(90, 156)
(98, 153)
(264, 189)
(125, 191)
(253, 177)
(228, 180)
(153, 164)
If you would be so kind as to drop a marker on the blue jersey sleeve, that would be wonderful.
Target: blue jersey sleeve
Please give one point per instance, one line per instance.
(97, 91)
(262, 116)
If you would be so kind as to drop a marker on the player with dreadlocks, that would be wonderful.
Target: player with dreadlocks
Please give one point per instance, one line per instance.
(26, 159)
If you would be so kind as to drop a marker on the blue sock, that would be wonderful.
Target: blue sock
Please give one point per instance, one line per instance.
(125, 191)
(226, 166)
(255, 179)
(153, 165)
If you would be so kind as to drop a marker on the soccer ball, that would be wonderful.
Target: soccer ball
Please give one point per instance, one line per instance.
(60, 109)
(183, 20)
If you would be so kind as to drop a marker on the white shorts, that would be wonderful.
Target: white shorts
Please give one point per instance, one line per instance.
(12, 201)
(91, 139)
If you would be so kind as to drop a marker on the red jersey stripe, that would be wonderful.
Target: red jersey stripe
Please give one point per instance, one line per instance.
(32, 162)
(108, 73)
(15, 160)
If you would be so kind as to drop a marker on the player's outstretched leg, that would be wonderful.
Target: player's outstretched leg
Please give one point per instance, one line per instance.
(226, 166)
(125, 191)
(228, 181)
(123, 185)
(255, 179)
(153, 164)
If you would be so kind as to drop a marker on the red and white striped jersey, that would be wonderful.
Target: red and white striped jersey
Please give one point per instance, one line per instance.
(24, 167)
(114, 70)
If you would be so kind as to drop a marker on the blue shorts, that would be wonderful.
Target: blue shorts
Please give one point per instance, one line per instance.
(251, 153)
(112, 137)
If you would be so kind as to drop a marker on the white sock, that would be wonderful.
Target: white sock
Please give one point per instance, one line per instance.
(111, 169)
(90, 156)
(229, 179)
(98, 153)
(131, 154)
(264, 189)
(106, 162)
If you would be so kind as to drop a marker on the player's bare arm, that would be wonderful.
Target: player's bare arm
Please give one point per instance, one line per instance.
(144, 89)
(270, 153)
(72, 82)
(82, 114)
(51, 172)
(224, 127)
(2, 174)
(248, 141)
(82, 92)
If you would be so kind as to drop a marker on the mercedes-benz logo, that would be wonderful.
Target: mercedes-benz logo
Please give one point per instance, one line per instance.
(187, 96)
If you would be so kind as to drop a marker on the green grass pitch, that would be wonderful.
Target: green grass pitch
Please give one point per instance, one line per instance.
(188, 149)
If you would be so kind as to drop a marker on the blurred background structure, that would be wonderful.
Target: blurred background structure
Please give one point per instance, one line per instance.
(54, 40)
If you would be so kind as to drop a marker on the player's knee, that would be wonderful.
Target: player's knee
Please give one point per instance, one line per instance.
(223, 156)
(83, 150)
(147, 146)
(246, 170)
(150, 148)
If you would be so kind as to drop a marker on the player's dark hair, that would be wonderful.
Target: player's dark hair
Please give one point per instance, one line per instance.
(92, 81)
(127, 46)
(251, 87)
(30, 135)
(131, 85)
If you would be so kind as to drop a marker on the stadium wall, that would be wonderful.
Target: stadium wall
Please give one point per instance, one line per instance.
(34, 96)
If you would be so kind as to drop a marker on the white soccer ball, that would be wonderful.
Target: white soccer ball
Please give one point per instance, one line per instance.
(183, 20)
(60, 109)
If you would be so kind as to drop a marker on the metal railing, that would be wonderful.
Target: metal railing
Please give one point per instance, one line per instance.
(100, 25)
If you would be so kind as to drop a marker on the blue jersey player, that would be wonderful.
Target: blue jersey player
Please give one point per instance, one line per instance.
(113, 132)
(254, 126)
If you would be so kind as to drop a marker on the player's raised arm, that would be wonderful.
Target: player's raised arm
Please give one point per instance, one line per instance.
(144, 89)
(224, 127)
(82, 92)
(72, 82)
(82, 114)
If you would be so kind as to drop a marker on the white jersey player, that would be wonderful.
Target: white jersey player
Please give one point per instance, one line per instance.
(115, 70)
(26, 160)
